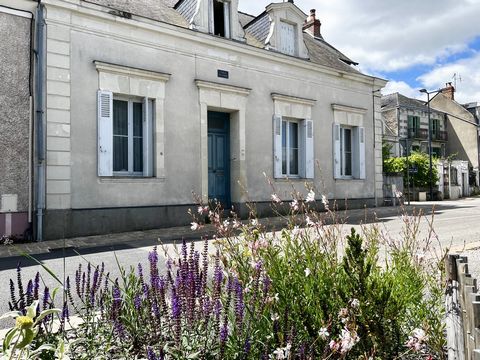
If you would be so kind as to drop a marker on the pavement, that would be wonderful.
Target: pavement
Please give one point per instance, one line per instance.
(136, 239)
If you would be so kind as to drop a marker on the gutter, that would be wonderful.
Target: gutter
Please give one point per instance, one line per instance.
(39, 127)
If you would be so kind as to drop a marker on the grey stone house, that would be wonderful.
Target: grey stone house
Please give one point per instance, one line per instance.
(16, 118)
(407, 119)
(148, 101)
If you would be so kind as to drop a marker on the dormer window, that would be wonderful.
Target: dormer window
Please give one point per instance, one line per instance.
(220, 18)
(287, 38)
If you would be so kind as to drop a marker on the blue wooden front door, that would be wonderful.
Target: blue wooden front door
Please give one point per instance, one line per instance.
(219, 157)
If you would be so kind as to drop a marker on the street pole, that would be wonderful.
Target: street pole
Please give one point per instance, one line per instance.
(430, 174)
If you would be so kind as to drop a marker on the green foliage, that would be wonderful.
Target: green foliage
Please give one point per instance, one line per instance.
(307, 292)
(18, 340)
(419, 160)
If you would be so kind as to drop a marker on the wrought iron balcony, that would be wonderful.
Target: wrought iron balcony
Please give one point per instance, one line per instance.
(439, 135)
(417, 133)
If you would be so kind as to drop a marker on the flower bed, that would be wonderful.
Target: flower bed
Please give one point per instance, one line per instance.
(286, 295)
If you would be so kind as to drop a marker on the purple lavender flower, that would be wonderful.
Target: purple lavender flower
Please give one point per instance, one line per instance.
(83, 285)
(239, 304)
(137, 302)
(247, 346)
(184, 250)
(46, 298)
(78, 278)
(224, 333)
(29, 292)
(153, 260)
(21, 292)
(36, 286)
(65, 313)
(89, 272)
(151, 354)
(116, 310)
(14, 304)
(176, 306)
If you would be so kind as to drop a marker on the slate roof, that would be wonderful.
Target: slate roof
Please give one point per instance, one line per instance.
(244, 18)
(160, 10)
(178, 12)
(397, 99)
(259, 27)
(322, 53)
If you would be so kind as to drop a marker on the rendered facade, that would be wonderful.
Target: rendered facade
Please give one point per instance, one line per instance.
(148, 102)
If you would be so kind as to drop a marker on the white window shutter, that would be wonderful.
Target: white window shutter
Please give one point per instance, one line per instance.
(105, 133)
(361, 152)
(336, 151)
(309, 150)
(147, 138)
(277, 146)
(226, 17)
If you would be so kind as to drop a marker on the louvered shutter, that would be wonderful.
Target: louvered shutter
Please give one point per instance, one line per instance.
(361, 151)
(277, 146)
(105, 133)
(309, 150)
(147, 138)
(336, 151)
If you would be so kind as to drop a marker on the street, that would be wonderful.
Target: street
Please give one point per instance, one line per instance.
(455, 222)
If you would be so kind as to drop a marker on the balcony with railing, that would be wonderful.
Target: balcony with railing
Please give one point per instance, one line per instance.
(439, 135)
(417, 133)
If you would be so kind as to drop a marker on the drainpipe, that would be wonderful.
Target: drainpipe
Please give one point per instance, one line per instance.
(40, 121)
(375, 195)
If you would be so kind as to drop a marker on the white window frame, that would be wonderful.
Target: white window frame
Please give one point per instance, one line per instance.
(353, 118)
(294, 109)
(227, 16)
(343, 162)
(300, 158)
(118, 80)
(147, 134)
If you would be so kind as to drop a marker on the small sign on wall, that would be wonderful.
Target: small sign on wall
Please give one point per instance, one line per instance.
(222, 74)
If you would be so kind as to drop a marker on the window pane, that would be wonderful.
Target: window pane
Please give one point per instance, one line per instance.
(348, 140)
(293, 135)
(137, 154)
(137, 119)
(293, 161)
(120, 117)
(284, 161)
(348, 164)
(120, 153)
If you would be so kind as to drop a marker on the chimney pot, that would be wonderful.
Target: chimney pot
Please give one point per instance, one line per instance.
(312, 24)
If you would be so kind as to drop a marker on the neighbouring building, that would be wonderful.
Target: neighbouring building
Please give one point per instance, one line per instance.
(148, 101)
(454, 136)
(16, 118)
(462, 131)
(405, 123)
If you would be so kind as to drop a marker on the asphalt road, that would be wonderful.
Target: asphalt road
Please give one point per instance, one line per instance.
(455, 223)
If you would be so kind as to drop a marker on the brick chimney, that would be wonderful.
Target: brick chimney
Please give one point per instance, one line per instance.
(312, 25)
(449, 91)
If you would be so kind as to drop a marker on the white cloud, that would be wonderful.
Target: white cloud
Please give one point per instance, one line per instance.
(391, 35)
(402, 88)
(468, 78)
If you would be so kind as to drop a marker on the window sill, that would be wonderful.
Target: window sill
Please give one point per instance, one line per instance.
(130, 180)
(292, 178)
(349, 179)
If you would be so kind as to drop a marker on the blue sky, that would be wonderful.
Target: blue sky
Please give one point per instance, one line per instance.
(413, 43)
